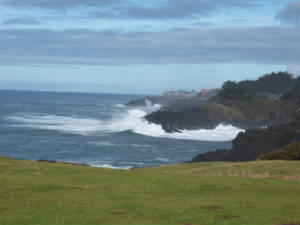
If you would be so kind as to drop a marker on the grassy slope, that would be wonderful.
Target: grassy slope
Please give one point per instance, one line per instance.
(261, 192)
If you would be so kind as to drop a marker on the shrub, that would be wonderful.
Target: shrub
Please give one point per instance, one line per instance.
(289, 152)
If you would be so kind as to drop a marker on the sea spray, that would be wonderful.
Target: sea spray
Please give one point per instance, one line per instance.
(132, 120)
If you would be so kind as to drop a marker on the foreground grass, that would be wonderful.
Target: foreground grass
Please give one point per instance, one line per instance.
(261, 192)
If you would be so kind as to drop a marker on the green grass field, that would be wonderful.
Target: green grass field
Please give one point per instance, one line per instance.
(256, 193)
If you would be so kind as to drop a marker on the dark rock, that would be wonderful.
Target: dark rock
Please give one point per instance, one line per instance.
(192, 119)
(45, 160)
(207, 115)
(150, 101)
(217, 155)
(54, 161)
(251, 144)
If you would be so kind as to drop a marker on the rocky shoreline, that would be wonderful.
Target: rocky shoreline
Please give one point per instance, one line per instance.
(270, 100)
(208, 115)
(253, 143)
(54, 161)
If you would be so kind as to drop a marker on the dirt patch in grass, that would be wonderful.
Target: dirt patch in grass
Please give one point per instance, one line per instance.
(290, 178)
(248, 174)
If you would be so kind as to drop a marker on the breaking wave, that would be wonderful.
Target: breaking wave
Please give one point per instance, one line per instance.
(130, 120)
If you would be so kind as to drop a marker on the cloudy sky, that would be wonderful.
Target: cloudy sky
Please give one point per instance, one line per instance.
(144, 46)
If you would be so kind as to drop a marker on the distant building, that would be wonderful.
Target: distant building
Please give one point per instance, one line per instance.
(181, 93)
(209, 92)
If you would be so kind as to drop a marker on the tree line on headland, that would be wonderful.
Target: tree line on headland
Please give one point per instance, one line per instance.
(270, 86)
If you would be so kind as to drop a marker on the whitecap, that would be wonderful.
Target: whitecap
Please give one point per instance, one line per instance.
(162, 159)
(109, 166)
(54, 122)
(222, 132)
(101, 143)
(135, 121)
(120, 105)
(148, 102)
(137, 145)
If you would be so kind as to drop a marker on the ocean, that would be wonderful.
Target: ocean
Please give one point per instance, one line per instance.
(96, 129)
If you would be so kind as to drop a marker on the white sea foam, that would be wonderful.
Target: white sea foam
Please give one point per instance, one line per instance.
(107, 143)
(148, 102)
(134, 121)
(60, 123)
(120, 105)
(108, 166)
(155, 106)
(101, 164)
(220, 133)
(131, 120)
(137, 145)
(101, 143)
(162, 159)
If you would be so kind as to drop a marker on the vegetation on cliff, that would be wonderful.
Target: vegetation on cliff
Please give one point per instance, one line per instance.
(270, 86)
(289, 152)
(294, 95)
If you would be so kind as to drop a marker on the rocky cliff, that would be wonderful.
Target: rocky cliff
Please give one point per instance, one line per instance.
(207, 115)
(271, 99)
(251, 144)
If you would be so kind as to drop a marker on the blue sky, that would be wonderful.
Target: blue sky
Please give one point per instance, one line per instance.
(137, 46)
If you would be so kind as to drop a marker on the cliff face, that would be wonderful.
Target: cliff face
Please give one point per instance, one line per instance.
(243, 114)
(202, 116)
(251, 144)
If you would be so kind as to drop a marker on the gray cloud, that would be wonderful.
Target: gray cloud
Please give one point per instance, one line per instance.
(229, 45)
(57, 4)
(128, 9)
(290, 14)
(182, 9)
(294, 69)
(21, 21)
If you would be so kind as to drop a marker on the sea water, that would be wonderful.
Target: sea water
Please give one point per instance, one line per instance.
(96, 129)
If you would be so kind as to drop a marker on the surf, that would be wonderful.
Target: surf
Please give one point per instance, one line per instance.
(130, 120)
